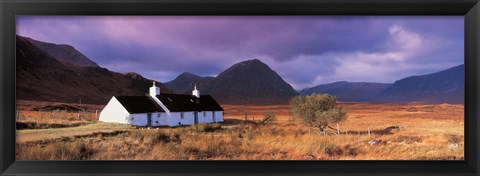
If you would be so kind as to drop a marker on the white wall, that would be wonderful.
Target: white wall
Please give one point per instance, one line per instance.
(218, 116)
(114, 112)
(208, 118)
(161, 118)
(138, 119)
(158, 119)
(189, 117)
(175, 117)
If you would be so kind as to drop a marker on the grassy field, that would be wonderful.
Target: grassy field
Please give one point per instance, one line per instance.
(430, 132)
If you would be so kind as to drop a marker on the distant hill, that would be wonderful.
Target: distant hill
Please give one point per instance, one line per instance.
(447, 86)
(183, 83)
(41, 76)
(253, 82)
(349, 91)
(52, 72)
(63, 53)
(247, 82)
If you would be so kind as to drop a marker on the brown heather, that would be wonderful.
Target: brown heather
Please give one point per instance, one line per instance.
(430, 132)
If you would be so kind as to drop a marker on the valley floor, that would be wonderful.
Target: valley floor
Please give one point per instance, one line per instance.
(430, 132)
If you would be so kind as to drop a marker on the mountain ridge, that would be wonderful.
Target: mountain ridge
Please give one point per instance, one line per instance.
(42, 77)
(62, 52)
(246, 82)
(445, 86)
(349, 91)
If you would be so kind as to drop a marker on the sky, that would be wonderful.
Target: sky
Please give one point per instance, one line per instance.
(304, 50)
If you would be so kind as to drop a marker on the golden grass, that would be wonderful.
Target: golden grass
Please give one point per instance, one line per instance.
(26, 113)
(32, 135)
(430, 132)
(77, 150)
(31, 104)
(54, 117)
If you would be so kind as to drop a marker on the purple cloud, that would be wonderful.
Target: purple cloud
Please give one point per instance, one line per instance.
(305, 51)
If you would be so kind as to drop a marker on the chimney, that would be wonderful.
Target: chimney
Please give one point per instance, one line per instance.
(154, 90)
(196, 92)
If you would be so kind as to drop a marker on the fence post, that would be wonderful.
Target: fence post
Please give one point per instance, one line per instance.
(78, 116)
(245, 117)
(338, 129)
(369, 133)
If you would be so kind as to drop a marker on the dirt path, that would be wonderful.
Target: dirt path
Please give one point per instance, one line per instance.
(32, 135)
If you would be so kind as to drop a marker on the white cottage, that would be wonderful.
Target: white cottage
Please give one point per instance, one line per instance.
(160, 109)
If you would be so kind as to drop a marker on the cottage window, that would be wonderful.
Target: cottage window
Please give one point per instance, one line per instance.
(181, 115)
(156, 121)
(213, 114)
(158, 115)
(204, 113)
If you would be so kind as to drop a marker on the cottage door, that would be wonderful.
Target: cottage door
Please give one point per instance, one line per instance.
(149, 119)
(196, 117)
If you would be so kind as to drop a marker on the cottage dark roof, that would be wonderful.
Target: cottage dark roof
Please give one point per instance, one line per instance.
(139, 104)
(181, 103)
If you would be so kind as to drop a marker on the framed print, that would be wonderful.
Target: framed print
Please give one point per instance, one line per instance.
(253, 87)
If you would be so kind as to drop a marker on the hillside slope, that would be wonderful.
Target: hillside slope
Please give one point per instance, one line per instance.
(349, 91)
(63, 53)
(42, 77)
(247, 82)
(447, 86)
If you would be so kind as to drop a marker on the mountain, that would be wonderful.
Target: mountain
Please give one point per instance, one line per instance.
(52, 72)
(63, 53)
(41, 76)
(447, 86)
(253, 82)
(247, 82)
(349, 91)
(183, 83)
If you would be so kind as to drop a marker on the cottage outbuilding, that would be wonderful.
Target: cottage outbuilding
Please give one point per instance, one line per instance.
(160, 109)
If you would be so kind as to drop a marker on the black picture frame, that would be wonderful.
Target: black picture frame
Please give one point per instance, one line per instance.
(470, 9)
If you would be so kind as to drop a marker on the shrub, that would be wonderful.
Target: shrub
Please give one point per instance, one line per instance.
(196, 128)
(174, 137)
(269, 117)
(454, 139)
(334, 151)
(212, 127)
(153, 137)
(56, 151)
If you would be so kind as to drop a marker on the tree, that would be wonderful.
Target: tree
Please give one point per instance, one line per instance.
(317, 110)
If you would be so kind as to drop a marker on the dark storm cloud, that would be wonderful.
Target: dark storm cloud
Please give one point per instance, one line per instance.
(305, 51)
